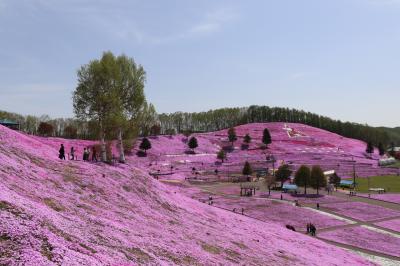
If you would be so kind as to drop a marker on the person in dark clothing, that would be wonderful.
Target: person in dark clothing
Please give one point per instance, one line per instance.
(94, 155)
(86, 154)
(290, 227)
(308, 228)
(61, 154)
(72, 154)
(313, 229)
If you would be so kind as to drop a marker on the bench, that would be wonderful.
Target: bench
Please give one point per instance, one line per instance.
(379, 190)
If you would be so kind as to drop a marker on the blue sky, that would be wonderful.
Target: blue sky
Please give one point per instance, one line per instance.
(339, 58)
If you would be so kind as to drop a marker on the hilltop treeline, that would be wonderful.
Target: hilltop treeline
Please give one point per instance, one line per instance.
(218, 119)
(213, 120)
(72, 128)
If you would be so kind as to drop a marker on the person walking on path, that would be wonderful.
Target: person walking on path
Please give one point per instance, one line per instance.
(308, 228)
(85, 154)
(61, 152)
(313, 230)
(72, 154)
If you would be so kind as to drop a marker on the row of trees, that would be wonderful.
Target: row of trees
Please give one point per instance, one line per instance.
(304, 176)
(72, 128)
(218, 119)
(151, 123)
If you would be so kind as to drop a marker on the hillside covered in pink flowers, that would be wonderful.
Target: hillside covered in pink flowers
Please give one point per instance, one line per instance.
(55, 212)
(293, 144)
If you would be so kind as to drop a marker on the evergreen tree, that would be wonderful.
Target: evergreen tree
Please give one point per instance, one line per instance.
(232, 135)
(221, 155)
(283, 173)
(193, 143)
(303, 177)
(381, 149)
(318, 179)
(392, 149)
(335, 180)
(266, 139)
(370, 147)
(247, 170)
(145, 145)
(247, 139)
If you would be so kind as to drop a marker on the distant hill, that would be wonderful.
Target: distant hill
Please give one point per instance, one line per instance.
(293, 143)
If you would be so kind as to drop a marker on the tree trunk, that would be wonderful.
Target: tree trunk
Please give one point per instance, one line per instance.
(121, 147)
(103, 148)
(305, 187)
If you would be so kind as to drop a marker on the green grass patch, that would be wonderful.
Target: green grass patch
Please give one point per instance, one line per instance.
(389, 183)
(396, 165)
(211, 249)
(53, 204)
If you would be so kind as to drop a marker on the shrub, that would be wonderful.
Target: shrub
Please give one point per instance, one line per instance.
(45, 129)
(232, 135)
(247, 139)
(193, 143)
(221, 155)
(145, 145)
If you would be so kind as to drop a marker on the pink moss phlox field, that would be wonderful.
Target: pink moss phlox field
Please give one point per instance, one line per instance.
(55, 212)
(395, 198)
(278, 212)
(312, 147)
(361, 211)
(390, 224)
(365, 238)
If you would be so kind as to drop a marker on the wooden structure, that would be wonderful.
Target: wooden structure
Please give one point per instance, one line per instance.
(248, 189)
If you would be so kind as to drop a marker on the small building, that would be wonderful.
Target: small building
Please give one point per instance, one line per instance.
(290, 188)
(10, 124)
(395, 149)
(347, 183)
(387, 161)
(248, 189)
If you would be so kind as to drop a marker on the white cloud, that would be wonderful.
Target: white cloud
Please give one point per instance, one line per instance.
(300, 75)
(214, 21)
